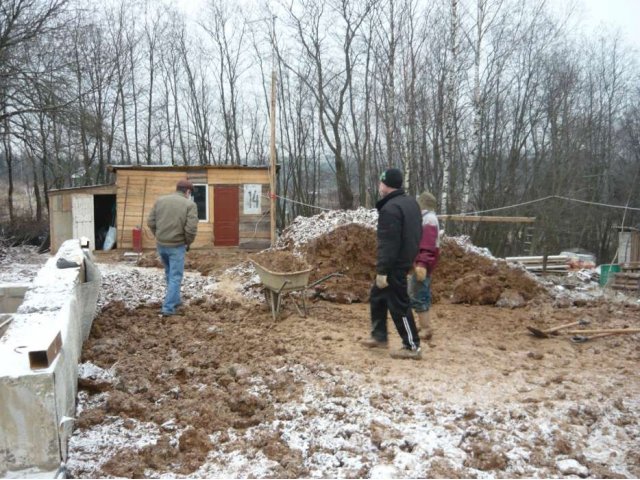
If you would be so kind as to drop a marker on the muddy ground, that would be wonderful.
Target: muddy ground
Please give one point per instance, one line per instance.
(226, 391)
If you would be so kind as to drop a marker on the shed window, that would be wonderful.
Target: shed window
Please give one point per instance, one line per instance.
(201, 197)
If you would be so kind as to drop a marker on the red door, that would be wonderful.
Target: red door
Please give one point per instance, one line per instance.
(226, 216)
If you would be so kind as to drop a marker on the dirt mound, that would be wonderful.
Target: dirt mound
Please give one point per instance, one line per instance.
(350, 250)
(149, 259)
(226, 392)
(195, 379)
(304, 230)
(346, 243)
(204, 261)
(466, 276)
(280, 261)
(475, 289)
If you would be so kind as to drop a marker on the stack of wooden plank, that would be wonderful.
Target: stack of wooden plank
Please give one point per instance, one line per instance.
(541, 265)
(628, 278)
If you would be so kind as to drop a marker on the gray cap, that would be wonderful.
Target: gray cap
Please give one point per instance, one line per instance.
(427, 201)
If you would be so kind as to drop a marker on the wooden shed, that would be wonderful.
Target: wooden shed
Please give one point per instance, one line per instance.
(233, 203)
(81, 212)
(628, 245)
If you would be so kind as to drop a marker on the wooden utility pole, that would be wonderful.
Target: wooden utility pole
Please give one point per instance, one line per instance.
(272, 149)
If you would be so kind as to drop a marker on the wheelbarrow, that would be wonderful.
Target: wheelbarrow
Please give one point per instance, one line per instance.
(277, 284)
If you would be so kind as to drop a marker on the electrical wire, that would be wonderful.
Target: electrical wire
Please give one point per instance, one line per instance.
(299, 203)
(623, 207)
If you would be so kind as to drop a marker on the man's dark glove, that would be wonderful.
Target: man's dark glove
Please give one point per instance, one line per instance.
(188, 247)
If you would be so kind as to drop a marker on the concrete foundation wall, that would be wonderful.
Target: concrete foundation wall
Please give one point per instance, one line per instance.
(11, 296)
(39, 404)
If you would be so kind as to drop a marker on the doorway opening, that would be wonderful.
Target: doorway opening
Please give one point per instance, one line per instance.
(104, 215)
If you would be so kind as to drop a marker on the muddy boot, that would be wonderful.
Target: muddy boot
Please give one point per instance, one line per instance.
(424, 323)
(373, 343)
(406, 353)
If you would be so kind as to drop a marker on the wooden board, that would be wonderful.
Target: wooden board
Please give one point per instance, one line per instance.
(478, 218)
(556, 264)
(82, 218)
(538, 259)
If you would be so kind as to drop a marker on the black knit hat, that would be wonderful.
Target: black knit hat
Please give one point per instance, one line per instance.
(392, 177)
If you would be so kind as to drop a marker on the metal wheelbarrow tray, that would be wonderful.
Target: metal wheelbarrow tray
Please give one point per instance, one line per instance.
(279, 283)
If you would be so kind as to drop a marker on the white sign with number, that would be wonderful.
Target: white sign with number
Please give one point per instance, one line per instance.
(252, 199)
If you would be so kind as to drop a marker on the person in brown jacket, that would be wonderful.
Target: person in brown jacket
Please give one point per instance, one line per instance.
(174, 222)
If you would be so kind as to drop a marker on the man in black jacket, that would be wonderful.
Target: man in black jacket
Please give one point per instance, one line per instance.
(399, 233)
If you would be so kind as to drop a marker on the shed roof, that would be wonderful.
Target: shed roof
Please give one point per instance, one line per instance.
(186, 168)
(106, 187)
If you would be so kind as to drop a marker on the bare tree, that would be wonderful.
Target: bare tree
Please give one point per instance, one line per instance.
(22, 23)
(153, 31)
(450, 112)
(328, 85)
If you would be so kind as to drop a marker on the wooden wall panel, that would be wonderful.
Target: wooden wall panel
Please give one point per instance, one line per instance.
(139, 191)
(60, 228)
(163, 182)
(255, 227)
(61, 216)
(198, 176)
(237, 177)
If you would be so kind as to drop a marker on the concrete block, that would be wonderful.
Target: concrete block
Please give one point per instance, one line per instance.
(29, 431)
(37, 405)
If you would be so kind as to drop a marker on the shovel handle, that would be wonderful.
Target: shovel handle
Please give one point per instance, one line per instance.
(586, 338)
(605, 330)
(566, 325)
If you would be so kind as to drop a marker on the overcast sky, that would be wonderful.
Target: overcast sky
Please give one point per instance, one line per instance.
(594, 14)
(622, 14)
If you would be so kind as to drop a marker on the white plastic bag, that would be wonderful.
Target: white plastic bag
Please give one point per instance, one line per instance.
(109, 239)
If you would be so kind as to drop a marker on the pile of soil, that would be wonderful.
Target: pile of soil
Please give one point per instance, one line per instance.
(467, 277)
(225, 384)
(280, 261)
(462, 275)
(227, 392)
(203, 261)
(190, 373)
(351, 251)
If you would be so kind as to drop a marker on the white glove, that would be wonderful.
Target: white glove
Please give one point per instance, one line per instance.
(381, 281)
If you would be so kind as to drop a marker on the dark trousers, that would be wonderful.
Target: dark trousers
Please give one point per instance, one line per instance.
(395, 300)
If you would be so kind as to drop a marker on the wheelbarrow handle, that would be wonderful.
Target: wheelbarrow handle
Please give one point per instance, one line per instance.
(326, 277)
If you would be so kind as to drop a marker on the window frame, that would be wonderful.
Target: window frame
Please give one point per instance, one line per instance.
(206, 201)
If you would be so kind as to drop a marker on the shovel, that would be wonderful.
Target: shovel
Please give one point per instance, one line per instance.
(604, 330)
(548, 333)
(586, 338)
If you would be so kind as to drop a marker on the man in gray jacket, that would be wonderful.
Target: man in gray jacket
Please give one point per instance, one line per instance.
(174, 222)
